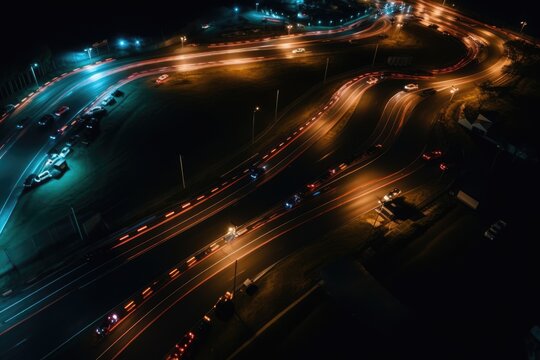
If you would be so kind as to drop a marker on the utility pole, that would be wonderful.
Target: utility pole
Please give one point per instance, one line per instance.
(182, 171)
(277, 99)
(234, 280)
(77, 224)
(326, 69)
(375, 54)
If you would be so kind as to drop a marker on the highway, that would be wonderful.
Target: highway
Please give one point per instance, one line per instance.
(56, 316)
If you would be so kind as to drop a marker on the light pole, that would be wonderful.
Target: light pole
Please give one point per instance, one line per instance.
(523, 24)
(289, 27)
(183, 39)
(34, 73)
(326, 69)
(182, 171)
(375, 54)
(277, 99)
(453, 91)
(89, 51)
(253, 124)
(398, 27)
(256, 7)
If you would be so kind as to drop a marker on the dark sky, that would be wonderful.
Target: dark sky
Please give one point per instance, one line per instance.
(25, 24)
(80, 23)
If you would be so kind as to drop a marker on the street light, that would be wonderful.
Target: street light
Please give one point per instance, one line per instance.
(523, 24)
(253, 124)
(289, 27)
(34, 65)
(183, 39)
(453, 90)
(257, 7)
(89, 51)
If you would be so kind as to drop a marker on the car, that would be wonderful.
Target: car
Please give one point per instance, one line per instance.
(109, 100)
(117, 93)
(433, 26)
(372, 80)
(495, 229)
(390, 196)
(61, 110)
(205, 26)
(444, 166)
(59, 132)
(298, 50)
(432, 155)
(97, 111)
(428, 91)
(182, 347)
(256, 172)
(43, 176)
(373, 149)
(30, 181)
(224, 308)
(73, 140)
(410, 87)
(446, 33)
(46, 120)
(9, 108)
(292, 201)
(162, 78)
(107, 325)
(93, 123)
(22, 123)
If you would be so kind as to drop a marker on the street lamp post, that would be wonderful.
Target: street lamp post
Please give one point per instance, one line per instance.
(34, 73)
(375, 54)
(256, 7)
(398, 27)
(89, 51)
(253, 124)
(289, 27)
(453, 91)
(183, 39)
(523, 24)
(326, 69)
(182, 171)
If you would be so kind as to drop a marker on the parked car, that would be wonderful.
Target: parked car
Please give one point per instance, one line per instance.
(61, 110)
(23, 122)
(97, 111)
(7, 110)
(46, 120)
(109, 100)
(117, 93)
(30, 181)
(410, 87)
(298, 50)
(495, 229)
(432, 155)
(390, 196)
(224, 308)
